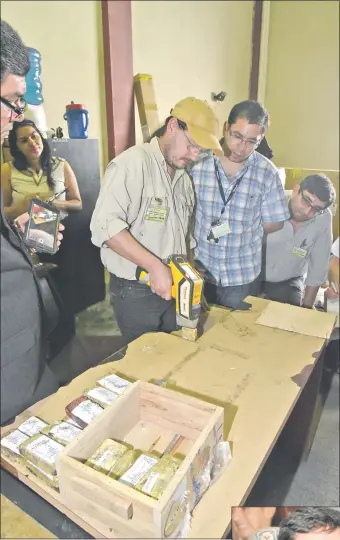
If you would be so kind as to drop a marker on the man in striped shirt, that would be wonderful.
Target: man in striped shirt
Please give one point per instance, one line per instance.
(239, 198)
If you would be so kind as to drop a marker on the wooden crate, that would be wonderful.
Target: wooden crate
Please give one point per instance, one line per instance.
(139, 417)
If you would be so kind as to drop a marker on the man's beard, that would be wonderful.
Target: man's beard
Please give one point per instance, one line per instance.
(185, 165)
(173, 163)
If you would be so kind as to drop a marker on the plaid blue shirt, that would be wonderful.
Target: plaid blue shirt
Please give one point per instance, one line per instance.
(260, 197)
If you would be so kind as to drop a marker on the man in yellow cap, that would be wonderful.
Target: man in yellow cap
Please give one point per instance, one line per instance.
(143, 213)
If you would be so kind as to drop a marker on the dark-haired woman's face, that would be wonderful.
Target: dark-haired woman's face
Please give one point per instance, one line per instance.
(29, 142)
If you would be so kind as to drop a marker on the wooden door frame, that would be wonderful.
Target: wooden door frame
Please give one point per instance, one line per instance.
(256, 50)
(118, 71)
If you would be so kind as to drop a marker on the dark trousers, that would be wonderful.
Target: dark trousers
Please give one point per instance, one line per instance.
(231, 297)
(138, 310)
(286, 292)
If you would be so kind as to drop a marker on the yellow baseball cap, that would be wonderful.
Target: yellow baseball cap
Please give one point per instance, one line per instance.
(201, 121)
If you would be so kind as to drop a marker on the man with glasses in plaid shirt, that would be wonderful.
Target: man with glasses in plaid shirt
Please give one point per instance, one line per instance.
(297, 256)
(239, 199)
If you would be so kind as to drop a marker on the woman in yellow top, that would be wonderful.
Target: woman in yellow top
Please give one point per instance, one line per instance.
(33, 172)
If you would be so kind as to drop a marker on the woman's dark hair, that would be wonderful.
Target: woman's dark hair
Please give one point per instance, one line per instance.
(20, 161)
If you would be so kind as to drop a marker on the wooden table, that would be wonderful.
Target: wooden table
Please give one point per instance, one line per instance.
(268, 378)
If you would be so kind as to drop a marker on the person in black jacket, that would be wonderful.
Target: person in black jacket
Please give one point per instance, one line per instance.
(25, 375)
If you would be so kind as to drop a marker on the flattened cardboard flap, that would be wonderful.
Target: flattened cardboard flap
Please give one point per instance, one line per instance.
(298, 320)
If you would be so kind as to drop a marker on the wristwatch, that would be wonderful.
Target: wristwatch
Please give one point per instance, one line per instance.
(266, 534)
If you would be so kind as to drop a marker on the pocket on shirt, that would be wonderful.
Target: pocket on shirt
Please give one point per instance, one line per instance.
(250, 202)
(253, 200)
(151, 232)
(149, 203)
(245, 212)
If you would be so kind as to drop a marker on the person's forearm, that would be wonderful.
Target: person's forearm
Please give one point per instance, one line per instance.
(71, 205)
(272, 227)
(333, 273)
(309, 296)
(125, 245)
(14, 211)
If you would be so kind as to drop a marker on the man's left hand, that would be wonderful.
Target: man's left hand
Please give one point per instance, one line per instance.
(331, 294)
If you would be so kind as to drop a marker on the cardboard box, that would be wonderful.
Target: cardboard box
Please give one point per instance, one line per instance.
(140, 416)
(146, 102)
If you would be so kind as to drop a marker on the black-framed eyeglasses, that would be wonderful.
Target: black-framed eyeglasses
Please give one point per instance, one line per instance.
(248, 143)
(307, 202)
(18, 109)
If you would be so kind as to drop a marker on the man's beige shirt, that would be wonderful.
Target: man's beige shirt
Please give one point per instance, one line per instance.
(133, 182)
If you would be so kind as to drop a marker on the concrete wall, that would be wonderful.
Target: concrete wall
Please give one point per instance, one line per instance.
(302, 84)
(193, 49)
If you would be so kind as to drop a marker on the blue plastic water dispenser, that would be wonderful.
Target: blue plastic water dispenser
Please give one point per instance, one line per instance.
(33, 94)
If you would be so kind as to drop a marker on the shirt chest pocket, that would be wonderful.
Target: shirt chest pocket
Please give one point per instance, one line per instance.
(245, 208)
(250, 201)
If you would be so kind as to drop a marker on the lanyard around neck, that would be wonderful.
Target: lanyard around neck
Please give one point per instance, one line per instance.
(231, 194)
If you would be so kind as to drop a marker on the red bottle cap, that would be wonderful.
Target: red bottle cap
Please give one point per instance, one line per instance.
(75, 106)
